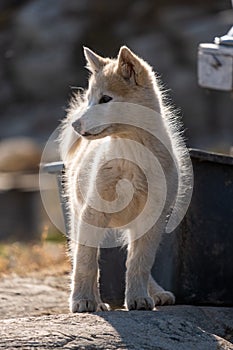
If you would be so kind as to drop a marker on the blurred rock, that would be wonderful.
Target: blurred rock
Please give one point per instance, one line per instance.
(6, 5)
(19, 155)
(37, 119)
(186, 93)
(204, 30)
(45, 36)
(42, 41)
(155, 49)
(7, 93)
(189, 26)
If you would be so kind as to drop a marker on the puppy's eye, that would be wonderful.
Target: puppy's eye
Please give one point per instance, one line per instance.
(105, 99)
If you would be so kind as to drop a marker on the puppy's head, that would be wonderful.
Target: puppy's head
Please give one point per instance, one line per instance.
(127, 78)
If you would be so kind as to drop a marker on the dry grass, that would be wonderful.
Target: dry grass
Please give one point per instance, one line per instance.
(45, 256)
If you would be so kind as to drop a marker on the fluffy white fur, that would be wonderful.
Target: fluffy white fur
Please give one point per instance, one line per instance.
(125, 79)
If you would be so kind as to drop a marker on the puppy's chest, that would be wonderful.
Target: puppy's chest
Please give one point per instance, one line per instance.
(106, 163)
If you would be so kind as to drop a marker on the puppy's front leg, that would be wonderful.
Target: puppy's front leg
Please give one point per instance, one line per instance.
(141, 254)
(84, 290)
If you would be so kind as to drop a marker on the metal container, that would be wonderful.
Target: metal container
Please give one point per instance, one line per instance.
(196, 261)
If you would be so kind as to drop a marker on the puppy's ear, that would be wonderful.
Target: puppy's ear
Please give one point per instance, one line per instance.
(131, 67)
(94, 62)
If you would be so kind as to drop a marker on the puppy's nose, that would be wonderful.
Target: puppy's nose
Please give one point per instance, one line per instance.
(77, 125)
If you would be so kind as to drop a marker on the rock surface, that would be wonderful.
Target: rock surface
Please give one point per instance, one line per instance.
(49, 325)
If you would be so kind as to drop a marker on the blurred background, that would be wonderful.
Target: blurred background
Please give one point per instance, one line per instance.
(42, 59)
(42, 62)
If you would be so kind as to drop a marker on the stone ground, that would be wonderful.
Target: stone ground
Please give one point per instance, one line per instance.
(34, 315)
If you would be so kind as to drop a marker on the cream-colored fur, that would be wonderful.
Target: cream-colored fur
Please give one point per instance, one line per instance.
(125, 79)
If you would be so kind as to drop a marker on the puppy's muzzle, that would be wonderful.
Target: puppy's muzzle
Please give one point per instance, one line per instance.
(78, 127)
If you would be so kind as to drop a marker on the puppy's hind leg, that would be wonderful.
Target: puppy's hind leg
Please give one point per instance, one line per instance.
(159, 295)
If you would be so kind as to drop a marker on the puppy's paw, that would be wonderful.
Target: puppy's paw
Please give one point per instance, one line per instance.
(164, 298)
(87, 305)
(140, 303)
(102, 307)
(83, 305)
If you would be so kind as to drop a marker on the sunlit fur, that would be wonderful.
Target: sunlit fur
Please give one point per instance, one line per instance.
(126, 79)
